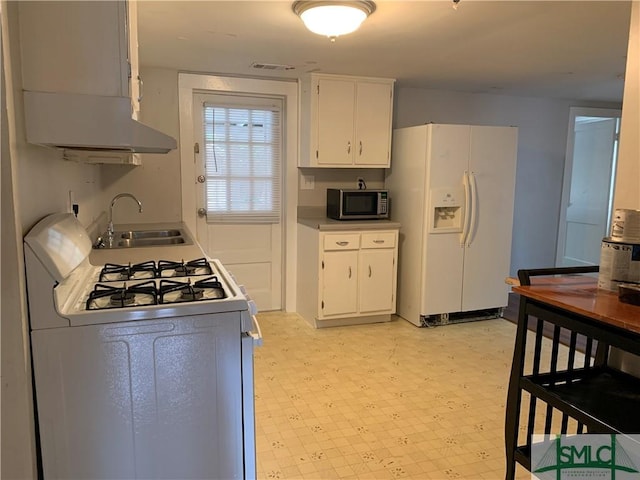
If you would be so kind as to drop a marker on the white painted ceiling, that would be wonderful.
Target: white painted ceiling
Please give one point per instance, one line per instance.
(571, 49)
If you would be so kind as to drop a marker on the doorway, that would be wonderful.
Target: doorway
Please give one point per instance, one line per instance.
(191, 84)
(238, 162)
(589, 179)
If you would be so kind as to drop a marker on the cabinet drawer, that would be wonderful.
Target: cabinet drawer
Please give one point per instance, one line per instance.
(378, 240)
(342, 241)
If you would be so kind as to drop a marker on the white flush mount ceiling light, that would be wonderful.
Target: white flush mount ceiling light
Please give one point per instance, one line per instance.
(333, 18)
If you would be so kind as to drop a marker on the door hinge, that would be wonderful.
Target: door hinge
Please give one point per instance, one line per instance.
(322, 304)
(316, 154)
(196, 147)
(322, 264)
(318, 89)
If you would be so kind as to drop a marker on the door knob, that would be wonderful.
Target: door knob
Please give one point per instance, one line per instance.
(201, 179)
(202, 212)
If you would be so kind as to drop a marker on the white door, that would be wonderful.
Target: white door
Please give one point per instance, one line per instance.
(376, 276)
(442, 266)
(238, 169)
(373, 123)
(339, 280)
(587, 194)
(335, 121)
(487, 255)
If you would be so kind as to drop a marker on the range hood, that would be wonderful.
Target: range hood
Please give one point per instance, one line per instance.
(89, 123)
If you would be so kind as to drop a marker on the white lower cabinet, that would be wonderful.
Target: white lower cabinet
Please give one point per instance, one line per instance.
(339, 283)
(376, 276)
(346, 277)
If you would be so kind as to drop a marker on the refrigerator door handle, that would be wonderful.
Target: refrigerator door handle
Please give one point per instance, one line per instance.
(467, 210)
(474, 207)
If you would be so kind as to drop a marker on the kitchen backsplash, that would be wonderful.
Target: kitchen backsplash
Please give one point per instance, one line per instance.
(324, 178)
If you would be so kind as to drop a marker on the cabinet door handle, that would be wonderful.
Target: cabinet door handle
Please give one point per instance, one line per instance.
(349, 147)
(342, 244)
(349, 272)
(360, 147)
(378, 241)
(369, 270)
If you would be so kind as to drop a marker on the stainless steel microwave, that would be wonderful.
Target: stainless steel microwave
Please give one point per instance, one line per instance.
(357, 204)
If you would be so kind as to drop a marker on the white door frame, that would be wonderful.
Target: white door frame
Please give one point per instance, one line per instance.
(568, 168)
(288, 90)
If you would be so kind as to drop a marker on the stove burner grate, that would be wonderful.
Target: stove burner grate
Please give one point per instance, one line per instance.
(172, 291)
(200, 266)
(109, 296)
(115, 272)
(190, 294)
(122, 298)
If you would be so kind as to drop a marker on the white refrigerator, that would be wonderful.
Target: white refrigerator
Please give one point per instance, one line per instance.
(451, 187)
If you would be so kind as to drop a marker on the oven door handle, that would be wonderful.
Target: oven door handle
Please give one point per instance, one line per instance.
(257, 334)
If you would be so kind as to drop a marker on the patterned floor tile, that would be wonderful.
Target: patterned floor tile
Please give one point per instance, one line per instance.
(381, 401)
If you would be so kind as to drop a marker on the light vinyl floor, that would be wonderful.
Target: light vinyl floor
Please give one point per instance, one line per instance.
(382, 401)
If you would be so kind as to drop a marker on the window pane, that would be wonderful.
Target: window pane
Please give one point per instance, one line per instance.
(262, 196)
(242, 158)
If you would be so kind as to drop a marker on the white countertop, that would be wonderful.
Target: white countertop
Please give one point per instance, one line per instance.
(328, 224)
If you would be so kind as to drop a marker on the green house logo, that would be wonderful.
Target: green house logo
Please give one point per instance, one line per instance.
(585, 456)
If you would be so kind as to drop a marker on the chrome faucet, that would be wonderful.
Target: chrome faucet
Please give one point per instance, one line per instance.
(113, 202)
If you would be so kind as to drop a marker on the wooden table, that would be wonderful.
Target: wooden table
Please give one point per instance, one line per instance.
(583, 394)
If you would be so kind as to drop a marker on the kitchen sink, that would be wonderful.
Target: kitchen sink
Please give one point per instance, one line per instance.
(149, 242)
(150, 234)
(144, 238)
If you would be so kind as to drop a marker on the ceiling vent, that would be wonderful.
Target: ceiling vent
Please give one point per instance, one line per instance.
(271, 66)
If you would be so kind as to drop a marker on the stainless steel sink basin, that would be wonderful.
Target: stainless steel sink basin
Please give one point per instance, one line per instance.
(140, 234)
(144, 238)
(149, 242)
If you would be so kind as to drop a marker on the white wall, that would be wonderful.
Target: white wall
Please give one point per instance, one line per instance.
(156, 183)
(627, 191)
(35, 183)
(335, 178)
(542, 136)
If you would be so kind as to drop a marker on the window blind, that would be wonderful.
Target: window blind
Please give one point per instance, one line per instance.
(242, 149)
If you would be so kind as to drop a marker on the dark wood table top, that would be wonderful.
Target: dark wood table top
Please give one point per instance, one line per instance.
(580, 294)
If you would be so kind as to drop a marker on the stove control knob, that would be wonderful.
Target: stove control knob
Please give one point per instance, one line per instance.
(202, 212)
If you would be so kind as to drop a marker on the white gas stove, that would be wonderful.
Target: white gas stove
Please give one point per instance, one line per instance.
(57, 251)
(156, 356)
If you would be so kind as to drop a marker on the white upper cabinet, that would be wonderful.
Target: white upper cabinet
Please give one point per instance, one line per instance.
(83, 47)
(346, 122)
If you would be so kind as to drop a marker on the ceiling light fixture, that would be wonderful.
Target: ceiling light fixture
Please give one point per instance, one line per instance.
(333, 18)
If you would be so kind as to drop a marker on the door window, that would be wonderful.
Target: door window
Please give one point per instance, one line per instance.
(242, 148)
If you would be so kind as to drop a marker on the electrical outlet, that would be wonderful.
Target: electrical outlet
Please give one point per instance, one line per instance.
(360, 183)
(308, 182)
